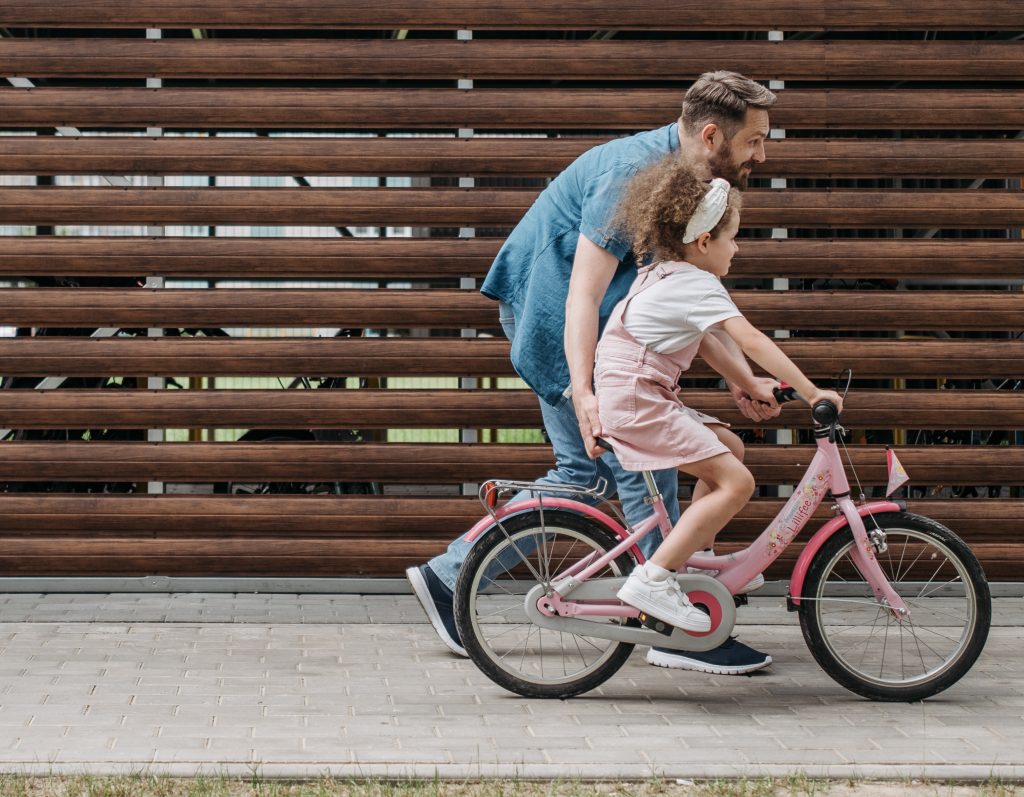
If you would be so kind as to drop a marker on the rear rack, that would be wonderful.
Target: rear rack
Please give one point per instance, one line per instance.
(491, 491)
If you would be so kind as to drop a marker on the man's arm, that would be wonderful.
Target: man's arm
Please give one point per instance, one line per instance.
(740, 379)
(592, 272)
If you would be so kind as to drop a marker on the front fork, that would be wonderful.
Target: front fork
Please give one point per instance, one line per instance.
(863, 555)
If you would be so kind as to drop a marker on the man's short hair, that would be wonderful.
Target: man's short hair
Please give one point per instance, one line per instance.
(722, 98)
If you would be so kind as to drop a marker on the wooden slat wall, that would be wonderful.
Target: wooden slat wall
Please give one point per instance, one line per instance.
(378, 258)
(326, 535)
(477, 207)
(490, 59)
(432, 409)
(518, 15)
(459, 309)
(543, 157)
(853, 126)
(491, 108)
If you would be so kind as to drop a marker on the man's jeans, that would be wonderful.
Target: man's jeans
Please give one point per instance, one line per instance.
(573, 466)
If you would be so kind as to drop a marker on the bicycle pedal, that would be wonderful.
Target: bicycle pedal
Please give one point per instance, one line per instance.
(740, 600)
(655, 624)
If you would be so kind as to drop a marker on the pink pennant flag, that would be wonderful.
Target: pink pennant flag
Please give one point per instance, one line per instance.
(897, 475)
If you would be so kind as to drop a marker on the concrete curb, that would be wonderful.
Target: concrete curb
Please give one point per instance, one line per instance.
(968, 773)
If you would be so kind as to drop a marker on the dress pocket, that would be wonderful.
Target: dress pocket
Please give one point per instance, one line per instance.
(616, 399)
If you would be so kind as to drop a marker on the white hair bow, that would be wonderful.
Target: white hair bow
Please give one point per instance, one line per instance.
(709, 212)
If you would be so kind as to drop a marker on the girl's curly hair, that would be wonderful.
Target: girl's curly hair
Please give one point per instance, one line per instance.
(657, 205)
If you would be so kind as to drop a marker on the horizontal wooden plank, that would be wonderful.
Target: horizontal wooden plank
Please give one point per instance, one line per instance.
(263, 258)
(869, 358)
(411, 258)
(488, 108)
(519, 59)
(505, 409)
(476, 207)
(845, 157)
(518, 15)
(450, 309)
(446, 462)
(285, 535)
(52, 155)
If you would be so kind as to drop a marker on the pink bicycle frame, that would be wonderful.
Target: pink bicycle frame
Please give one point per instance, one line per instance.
(824, 473)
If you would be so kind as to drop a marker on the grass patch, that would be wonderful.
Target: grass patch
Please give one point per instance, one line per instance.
(215, 786)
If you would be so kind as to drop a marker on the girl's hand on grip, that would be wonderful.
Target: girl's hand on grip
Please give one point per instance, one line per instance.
(827, 395)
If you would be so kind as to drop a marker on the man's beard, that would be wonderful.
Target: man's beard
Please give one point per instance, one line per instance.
(722, 165)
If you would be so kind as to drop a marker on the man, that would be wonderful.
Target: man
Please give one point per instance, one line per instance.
(557, 278)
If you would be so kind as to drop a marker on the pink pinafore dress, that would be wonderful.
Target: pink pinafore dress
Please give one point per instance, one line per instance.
(637, 393)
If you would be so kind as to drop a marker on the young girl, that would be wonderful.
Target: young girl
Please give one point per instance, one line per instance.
(689, 227)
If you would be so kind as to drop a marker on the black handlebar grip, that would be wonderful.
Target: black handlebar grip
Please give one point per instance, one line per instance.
(825, 413)
(604, 444)
(784, 394)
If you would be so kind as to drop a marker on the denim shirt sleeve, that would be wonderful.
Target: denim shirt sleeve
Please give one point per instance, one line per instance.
(601, 196)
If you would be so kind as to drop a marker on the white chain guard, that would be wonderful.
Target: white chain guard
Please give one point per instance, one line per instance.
(606, 589)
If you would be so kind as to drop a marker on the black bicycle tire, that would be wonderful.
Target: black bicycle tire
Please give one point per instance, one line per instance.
(467, 631)
(941, 681)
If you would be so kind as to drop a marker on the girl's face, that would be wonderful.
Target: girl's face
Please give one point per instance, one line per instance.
(715, 255)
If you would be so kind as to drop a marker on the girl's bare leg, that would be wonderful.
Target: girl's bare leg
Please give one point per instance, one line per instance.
(734, 444)
(729, 486)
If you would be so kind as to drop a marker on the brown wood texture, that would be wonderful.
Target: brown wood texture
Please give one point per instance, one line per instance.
(286, 307)
(51, 155)
(489, 108)
(447, 462)
(521, 59)
(451, 309)
(818, 357)
(375, 258)
(286, 535)
(250, 257)
(471, 409)
(476, 207)
(518, 15)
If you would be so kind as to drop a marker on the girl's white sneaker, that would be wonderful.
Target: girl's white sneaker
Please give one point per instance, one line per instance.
(664, 600)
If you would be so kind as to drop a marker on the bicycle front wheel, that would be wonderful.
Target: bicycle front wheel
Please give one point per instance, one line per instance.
(865, 646)
(490, 597)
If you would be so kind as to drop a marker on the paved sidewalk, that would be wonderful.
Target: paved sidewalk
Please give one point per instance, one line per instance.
(361, 685)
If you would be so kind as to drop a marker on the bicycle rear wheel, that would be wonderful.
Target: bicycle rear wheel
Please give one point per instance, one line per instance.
(863, 645)
(490, 606)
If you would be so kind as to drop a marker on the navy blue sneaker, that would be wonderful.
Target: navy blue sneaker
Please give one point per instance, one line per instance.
(437, 601)
(732, 657)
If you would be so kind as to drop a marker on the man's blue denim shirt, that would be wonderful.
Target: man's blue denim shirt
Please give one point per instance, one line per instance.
(531, 272)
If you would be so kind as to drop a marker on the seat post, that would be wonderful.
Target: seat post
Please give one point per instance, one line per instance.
(652, 488)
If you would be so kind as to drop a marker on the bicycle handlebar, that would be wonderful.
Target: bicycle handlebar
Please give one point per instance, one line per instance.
(824, 412)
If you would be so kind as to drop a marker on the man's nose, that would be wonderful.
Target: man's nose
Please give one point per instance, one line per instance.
(759, 156)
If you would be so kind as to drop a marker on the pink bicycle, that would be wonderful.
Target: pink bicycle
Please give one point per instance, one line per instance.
(893, 605)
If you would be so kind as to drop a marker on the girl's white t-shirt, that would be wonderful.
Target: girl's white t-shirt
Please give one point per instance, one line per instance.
(677, 311)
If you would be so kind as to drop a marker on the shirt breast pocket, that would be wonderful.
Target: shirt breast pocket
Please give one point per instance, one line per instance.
(616, 399)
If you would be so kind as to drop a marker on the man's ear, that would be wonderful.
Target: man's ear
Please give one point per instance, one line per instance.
(710, 135)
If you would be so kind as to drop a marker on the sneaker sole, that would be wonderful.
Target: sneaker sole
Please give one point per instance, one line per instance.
(641, 603)
(671, 662)
(422, 593)
(755, 583)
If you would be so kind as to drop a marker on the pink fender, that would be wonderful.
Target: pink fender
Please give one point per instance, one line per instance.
(796, 582)
(518, 507)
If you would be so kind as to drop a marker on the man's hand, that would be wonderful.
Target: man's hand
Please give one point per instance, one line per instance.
(590, 424)
(758, 403)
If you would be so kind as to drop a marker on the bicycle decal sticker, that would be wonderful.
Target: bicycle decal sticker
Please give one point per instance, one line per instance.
(797, 511)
